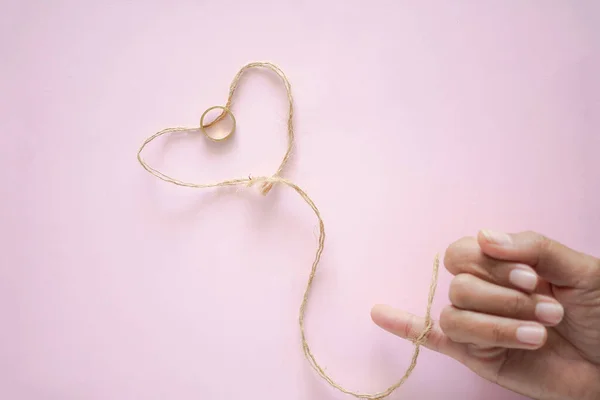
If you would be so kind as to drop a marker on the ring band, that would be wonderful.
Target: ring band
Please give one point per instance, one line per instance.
(220, 117)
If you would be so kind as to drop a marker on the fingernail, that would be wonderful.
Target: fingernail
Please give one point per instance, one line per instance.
(551, 313)
(523, 279)
(533, 335)
(498, 238)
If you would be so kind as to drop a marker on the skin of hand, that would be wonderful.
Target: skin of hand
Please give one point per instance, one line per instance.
(525, 314)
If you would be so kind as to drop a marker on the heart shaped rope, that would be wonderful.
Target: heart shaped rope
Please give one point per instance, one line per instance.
(267, 183)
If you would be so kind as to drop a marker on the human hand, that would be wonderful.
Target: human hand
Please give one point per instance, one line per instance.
(525, 314)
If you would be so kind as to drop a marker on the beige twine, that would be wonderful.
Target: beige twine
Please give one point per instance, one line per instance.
(267, 183)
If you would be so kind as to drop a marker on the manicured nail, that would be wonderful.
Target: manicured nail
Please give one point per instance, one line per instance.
(523, 279)
(551, 313)
(533, 335)
(498, 238)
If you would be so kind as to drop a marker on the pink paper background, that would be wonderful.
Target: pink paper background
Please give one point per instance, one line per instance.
(417, 123)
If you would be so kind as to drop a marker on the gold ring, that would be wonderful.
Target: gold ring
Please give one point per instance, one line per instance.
(219, 118)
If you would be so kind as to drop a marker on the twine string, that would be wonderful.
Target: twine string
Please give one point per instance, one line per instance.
(267, 183)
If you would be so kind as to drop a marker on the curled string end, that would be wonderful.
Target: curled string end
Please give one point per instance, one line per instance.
(266, 188)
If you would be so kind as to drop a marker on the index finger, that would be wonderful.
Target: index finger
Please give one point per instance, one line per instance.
(409, 326)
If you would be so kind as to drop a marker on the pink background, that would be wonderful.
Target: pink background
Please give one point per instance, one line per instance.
(417, 123)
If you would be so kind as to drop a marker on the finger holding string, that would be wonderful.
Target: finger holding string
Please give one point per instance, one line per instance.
(423, 332)
(408, 326)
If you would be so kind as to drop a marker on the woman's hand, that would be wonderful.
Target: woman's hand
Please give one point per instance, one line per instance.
(525, 314)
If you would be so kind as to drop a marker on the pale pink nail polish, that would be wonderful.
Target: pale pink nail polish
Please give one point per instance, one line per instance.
(499, 238)
(523, 279)
(551, 313)
(534, 335)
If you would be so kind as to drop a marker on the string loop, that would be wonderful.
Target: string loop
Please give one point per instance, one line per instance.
(267, 183)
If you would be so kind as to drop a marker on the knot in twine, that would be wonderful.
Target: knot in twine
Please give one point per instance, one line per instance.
(267, 183)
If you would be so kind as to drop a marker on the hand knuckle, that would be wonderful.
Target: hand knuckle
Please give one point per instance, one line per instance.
(498, 335)
(448, 321)
(517, 305)
(595, 267)
(543, 243)
(450, 255)
(532, 234)
(460, 252)
(459, 290)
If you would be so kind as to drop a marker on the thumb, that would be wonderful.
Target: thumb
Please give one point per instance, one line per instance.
(553, 261)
